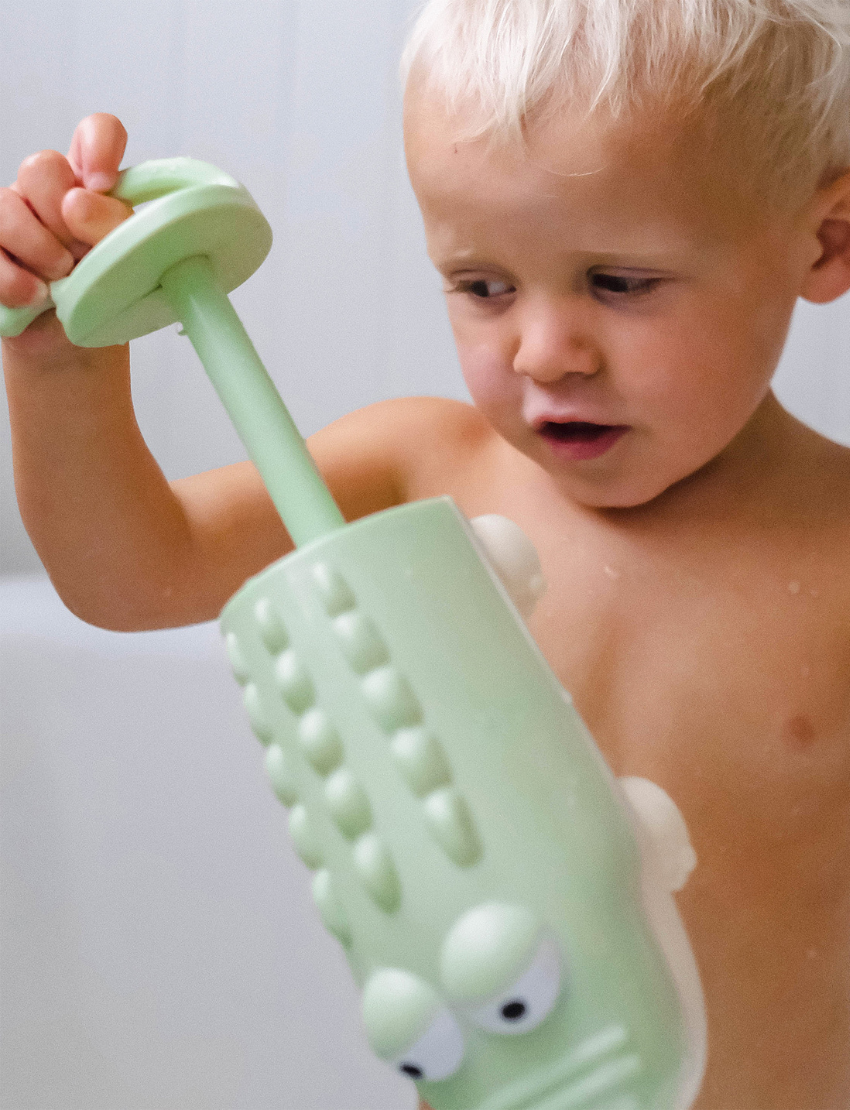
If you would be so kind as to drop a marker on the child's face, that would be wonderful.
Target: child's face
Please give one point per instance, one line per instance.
(619, 306)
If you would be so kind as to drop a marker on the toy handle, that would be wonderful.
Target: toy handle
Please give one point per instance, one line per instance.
(177, 259)
(148, 181)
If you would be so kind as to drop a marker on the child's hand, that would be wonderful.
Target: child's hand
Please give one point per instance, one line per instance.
(56, 211)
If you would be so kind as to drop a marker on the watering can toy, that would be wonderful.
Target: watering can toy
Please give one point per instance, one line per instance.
(505, 904)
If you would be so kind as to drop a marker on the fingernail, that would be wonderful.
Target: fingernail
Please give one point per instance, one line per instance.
(42, 293)
(100, 182)
(63, 267)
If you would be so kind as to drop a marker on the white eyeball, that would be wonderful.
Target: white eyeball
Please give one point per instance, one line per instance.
(529, 1000)
(437, 1054)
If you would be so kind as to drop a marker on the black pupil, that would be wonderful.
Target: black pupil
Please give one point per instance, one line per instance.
(513, 1011)
(412, 1071)
(611, 283)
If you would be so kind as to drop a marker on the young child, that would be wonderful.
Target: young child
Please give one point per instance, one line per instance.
(625, 200)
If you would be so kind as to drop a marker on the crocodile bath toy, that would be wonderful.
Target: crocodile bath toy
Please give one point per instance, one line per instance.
(504, 902)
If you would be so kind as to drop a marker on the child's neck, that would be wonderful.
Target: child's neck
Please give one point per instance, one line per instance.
(760, 472)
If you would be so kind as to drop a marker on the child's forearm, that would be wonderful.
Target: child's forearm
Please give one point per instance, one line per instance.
(124, 548)
(114, 537)
(110, 531)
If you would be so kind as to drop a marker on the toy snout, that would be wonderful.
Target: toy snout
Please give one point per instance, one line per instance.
(513, 557)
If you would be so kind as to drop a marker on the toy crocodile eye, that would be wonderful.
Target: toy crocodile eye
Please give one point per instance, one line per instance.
(409, 1025)
(437, 1054)
(530, 999)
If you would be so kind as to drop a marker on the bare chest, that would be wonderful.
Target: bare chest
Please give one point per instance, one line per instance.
(718, 666)
(732, 691)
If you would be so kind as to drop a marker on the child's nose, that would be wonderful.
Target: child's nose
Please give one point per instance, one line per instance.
(554, 341)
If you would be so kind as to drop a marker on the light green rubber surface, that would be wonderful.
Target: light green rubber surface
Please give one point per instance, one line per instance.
(190, 208)
(468, 845)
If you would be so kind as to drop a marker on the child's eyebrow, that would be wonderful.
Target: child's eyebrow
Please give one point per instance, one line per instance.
(661, 246)
(671, 258)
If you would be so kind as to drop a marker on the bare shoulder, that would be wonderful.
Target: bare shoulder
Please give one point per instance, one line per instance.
(392, 423)
(398, 450)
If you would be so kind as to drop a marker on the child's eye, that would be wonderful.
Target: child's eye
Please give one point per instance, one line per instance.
(483, 289)
(623, 285)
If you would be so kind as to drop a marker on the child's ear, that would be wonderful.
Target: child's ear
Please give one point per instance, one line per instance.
(829, 277)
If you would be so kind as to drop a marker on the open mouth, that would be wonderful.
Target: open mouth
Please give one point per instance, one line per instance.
(578, 439)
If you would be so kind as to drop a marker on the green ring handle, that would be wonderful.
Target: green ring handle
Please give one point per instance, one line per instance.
(199, 236)
(113, 293)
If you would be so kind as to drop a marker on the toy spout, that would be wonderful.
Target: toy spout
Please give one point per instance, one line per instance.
(263, 422)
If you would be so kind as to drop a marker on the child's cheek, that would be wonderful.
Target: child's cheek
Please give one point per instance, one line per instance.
(489, 377)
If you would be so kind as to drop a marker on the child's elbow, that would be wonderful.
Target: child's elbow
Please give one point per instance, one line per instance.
(129, 609)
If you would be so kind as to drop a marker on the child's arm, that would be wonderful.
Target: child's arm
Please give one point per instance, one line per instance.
(125, 548)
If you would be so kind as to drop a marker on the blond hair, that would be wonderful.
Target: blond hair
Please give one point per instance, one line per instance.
(777, 72)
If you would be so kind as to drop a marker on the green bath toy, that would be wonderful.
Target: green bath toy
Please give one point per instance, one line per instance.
(505, 903)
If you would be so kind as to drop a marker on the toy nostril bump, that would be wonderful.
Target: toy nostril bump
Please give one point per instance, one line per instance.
(514, 559)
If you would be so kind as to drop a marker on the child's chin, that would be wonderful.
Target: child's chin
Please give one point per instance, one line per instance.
(609, 494)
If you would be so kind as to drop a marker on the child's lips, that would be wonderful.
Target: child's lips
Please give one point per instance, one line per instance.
(580, 439)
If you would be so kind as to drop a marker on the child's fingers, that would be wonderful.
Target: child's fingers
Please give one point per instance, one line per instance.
(33, 245)
(97, 148)
(47, 221)
(90, 216)
(43, 180)
(18, 286)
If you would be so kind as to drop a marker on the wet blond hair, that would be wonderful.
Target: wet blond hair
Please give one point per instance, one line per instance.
(773, 74)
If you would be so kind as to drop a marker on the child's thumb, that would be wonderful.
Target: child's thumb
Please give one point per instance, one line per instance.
(91, 216)
(97, 148)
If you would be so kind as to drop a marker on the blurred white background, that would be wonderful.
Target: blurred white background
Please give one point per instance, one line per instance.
(159, 946)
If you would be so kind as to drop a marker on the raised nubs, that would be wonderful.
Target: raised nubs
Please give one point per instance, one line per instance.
(316, 740)
(392, 702)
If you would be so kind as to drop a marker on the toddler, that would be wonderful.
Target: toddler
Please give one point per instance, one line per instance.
(625, 199)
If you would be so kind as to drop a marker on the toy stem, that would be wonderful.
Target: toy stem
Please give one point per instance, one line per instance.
(252, 402)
